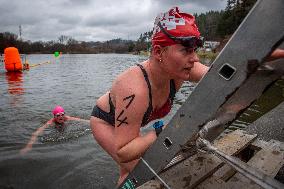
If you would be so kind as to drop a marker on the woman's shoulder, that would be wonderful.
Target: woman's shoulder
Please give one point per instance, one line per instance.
(130, 85)
(131, 71)
(130, 88)
(52, 120)
(49, 123)
(130, 80)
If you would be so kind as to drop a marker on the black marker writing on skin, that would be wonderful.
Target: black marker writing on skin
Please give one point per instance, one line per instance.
(124, 120)
(131, 97)
(121, 121)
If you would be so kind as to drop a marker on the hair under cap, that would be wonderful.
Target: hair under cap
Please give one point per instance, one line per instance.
(175, 23)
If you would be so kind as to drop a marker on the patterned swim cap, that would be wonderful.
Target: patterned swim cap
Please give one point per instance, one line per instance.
(176, 24)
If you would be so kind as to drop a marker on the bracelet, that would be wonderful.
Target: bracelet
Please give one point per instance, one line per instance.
(158, 131)
(158, 126)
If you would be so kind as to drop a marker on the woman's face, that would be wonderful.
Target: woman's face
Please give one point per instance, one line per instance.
(178, 61)
(60, 117)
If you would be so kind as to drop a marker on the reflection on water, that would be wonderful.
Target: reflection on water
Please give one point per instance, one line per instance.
(15, 87)
(15, 83)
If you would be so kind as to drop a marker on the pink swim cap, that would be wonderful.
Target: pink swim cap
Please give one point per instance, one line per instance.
(176, 24)
(57, 109)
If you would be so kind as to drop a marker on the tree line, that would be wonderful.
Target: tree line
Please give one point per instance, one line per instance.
(213, 25)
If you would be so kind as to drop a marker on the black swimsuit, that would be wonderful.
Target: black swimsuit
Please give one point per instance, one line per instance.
(149, 115)
(106, 116)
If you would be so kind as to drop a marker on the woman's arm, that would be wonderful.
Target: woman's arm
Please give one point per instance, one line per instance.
(278, 53)
(198, 71)
(76, 119)
(34, 136)
(136, 147)
(131, 101)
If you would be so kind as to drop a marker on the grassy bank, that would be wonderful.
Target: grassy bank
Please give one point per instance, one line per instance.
(209, 55)
(201, 54)
(142, 53)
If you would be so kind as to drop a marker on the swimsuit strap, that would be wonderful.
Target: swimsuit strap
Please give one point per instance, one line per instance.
(149, 110)
(148, 82)
(172, 90)
(111, 106)
(150, 107)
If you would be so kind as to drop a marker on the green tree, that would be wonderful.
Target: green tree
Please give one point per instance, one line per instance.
(7, 39)
(234, 14)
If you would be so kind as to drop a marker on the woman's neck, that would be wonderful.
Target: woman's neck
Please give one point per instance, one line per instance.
(158, 78)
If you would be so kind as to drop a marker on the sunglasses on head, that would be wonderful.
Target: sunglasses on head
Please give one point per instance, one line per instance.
(59, 114)
(190, 41)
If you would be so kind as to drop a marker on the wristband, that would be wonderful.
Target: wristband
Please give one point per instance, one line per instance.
(158, 126)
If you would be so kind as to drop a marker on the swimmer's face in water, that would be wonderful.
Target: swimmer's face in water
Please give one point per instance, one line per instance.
(60, 117)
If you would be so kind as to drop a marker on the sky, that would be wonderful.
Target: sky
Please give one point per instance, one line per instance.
(91, 20)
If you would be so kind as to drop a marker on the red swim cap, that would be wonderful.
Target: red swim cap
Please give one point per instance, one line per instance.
(176, 24)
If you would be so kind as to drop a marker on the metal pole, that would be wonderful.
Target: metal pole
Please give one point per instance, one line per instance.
(258, 177)
(150, 168)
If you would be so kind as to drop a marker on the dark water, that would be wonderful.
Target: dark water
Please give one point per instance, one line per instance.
(58, 160)
(69, 159)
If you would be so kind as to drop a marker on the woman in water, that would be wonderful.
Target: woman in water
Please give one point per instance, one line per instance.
(58, 122)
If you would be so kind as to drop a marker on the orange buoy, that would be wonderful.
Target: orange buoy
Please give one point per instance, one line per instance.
(12, 60)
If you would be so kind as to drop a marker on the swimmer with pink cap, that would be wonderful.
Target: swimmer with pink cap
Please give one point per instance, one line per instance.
(59, 116)
(58, 122)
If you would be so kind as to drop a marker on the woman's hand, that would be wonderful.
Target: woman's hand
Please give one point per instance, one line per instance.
(276, 54)
(34, 138)
(26, 149)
